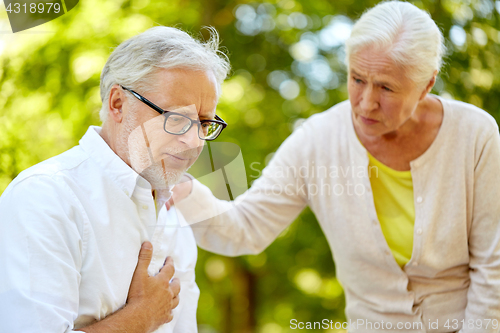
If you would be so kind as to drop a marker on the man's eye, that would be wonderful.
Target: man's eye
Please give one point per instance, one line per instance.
(357, 80)
(386, 88)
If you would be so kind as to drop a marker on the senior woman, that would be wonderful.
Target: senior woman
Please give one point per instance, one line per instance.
(404, 184)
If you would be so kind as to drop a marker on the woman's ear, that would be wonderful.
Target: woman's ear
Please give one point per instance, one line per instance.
(429, 86)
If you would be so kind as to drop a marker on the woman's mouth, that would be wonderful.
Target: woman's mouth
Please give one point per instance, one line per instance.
(368, 121)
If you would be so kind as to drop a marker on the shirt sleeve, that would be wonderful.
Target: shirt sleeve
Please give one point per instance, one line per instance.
(41, 254)
(255, 218)
(483, 298)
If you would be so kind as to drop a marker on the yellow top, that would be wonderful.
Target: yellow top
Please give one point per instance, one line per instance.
(393, 197)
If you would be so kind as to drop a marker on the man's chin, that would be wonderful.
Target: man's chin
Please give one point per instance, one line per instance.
(160, 178)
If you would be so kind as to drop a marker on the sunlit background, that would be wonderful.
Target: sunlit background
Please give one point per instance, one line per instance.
(287, 60)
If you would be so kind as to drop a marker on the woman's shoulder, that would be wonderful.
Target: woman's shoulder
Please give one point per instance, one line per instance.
(316, 134)
(332, 117)
(470, 116)
(328, 126)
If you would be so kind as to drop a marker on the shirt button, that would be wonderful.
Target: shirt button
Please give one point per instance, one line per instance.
(419, 231)
(387, 253)
(414, 263)
(375, 222)
(145, 207)
(126, 192)
(420, 199)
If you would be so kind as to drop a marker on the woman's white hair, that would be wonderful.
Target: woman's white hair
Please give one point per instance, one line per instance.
(134, 61)
(408, 34)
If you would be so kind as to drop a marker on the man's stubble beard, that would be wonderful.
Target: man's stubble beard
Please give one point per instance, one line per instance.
(155, 173)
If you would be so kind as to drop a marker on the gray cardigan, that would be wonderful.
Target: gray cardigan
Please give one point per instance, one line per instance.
(453, 277)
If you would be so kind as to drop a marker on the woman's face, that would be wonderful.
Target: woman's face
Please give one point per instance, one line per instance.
(382, 98)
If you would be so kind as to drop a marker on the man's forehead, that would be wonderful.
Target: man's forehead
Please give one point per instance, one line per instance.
(182, 82)
(185, 109)
(192, 111)
(186, 91)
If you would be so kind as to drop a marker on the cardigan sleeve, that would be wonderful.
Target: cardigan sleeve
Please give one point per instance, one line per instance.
(483, 298)
(257, 217)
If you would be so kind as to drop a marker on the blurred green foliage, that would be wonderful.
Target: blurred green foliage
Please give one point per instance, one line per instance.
(287, 64)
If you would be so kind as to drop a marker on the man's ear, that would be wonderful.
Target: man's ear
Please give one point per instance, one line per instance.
(115, 103)
(429, 86)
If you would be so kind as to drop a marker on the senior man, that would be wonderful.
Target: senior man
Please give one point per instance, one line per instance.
(86, 241)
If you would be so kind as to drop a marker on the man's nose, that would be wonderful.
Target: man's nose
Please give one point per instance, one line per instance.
(369, 100)
(191, 138)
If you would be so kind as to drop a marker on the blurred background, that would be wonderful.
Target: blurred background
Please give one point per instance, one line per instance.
(287, 60)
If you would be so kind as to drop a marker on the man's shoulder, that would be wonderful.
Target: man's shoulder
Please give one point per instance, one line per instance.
(42, 195)
(52, 170)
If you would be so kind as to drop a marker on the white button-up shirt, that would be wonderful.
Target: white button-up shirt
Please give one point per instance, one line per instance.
(71, 229)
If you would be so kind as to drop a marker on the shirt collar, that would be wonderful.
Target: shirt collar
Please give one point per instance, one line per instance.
(111, 164)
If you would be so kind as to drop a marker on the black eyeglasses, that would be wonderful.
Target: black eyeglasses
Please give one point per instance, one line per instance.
(178, 124)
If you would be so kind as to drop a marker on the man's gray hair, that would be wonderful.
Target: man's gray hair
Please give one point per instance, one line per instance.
(134, 61)
(409, 35)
